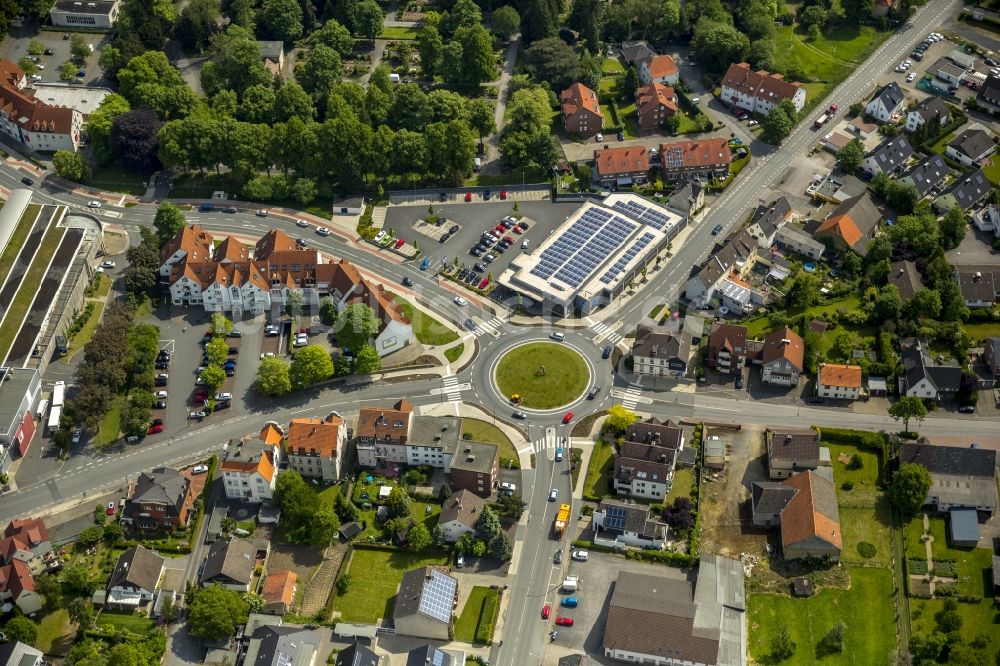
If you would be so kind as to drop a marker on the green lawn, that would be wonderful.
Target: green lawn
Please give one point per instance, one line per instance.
(108, 431)
(475, 624)
(864, 479)
(992, 172)
(117, 179)
(397, 32)
(612, 66)
(866, 608)
(511, 178)
(454, 353)
(761, 326)
(981, 618)
(683, 483)
(429, 331)
(137, 624)
(545, 374)
(982, 331)
(599, 470)
(375, 576)
(83, 336)
(487, 432)
(941, 144)
(17, 239)
(29, 286)
(972, 562)
(871, 525)
(55, 633)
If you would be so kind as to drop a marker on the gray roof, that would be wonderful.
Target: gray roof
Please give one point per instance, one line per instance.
(932, 108)
(951, 460)
(633, 52)
(464, 506)
(576, 660)
(356, 654)
(102, 7)
(282, 646)
(443, 431)
(429, 655)
(664, 433)
(974, 143)
(427, 591)
(969, 189)
(978, 283)
(637, 519)
(798, 444)
(907, 278)
(770, 496)
(891, 153)
(947, 66)
(840, 187)
(891, 96)
(682, 199)
(646, 462)
(963, 524)
(996, 571)
(990, 90)
(917, 365)
(272, 50)
(772, 215)
(736, 248)
(231, 560)
(19, 654)
(14, 383)
(961, 58)
(661, 342)
(137, 568)
(927, 174)
(163, 485)
(475, 457)
(720, 603)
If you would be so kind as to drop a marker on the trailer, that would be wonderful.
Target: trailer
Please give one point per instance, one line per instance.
(571, 583)
(54, 416)
(822, 120)
(559, 526)
(58, 394)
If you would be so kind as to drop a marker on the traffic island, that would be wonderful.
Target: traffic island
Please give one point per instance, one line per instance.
(542, 375)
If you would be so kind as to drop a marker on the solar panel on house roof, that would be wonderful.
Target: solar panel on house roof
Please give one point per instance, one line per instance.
(438, 598)
(615, 517)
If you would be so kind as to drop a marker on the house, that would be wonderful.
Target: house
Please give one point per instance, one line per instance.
(837, 381)
(965, 192)
(314, 447)
(696, 160)
(727, 348)
(430, 655)
(433, 441)
(28, 541)
(619, 524)
(621, 166)
(737, 255)
(927, 174)
(476, 468)
(669, 621)
(20, 398)
(836, 141)
(271, 645)
(581, 110)
(635, 52)
(882, 8)
(767, 500)
(962, 59)
(793, 238)
(987, 219)
(93, 14)
(459, 514)
(991, 355)
(644, 465)
(989, 93)
(161, 499)
(661, 351)
(425, 602)
(889, 157)
(760, 91)
(930, 110)
(805, 507)
(907, 278)
(768, 218)
(886, 102)
(17, 586)
(971, 147)
(654, 103)
(961, 477)
(851, 224)
(279, 592)
(688, 198)
(230, 563)
(192, 243)
(862, 128)
(837, 188)
(922, 378)
(658, 69)
(947, 71)
(250, 469)
(29, 121)
(381, 435)
(272, 54)
(16, 653)
(782, 357)
(791, 450)
(357, 654)
(979, 285)
(134, 580)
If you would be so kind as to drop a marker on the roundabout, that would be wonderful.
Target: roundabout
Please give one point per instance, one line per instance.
(542, 375)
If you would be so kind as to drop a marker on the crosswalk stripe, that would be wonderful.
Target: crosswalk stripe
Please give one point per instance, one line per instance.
(631, 397)
(452, 388)
(490, 327)
(605, 330)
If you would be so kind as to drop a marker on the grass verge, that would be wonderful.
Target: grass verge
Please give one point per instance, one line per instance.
(55, 633)
(487, 432)
(475, 624)
(599, 470)
(429, 331)
(545, 374)
(141, 626)
(116, 179)
(454, 353)
(107, 432)
(375, 575)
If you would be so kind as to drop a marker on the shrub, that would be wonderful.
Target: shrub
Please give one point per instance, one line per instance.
(847, 485)
(866, 550)
(344, 583)
(855, 462)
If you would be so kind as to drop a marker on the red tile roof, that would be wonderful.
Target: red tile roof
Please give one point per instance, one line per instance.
(776, 348)
(279, 587)
(314, 436)
(761, 84)
(611, 161)
(661, 66)
(648, 97)
(579, 96)
(195, 241)
(812, 512)
(378, 422)
(32, 115)
(697, 153)
(836, 374)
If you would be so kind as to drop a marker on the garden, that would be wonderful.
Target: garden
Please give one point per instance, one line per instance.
(545, 375)
(375, 575)
(479, 616)
(481, 431)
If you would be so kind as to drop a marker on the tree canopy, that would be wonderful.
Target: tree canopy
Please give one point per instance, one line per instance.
(908, 490)
(215, 612)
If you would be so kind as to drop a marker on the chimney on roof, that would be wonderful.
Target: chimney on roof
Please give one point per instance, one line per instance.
(785, 341)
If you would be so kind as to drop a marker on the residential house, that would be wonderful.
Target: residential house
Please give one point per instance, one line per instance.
(159, 500)
(989, 93)
(357, 654)
(459, 514)
(962, 477)
(793, 238)
(922, 377)
(792, 450)
(279, 592)
(907, 278)
(836, 188)
(889, 157)
(230, 563)
(887, 102)
(737, 255)
(947, 71)
(972, 147)
(433, 441)
(760, 91)
(930, 110)
(883, 7)
(965, 192)
(271, 645)
(619, 524)
(695, 160)
(782, 357)
(838, 381)
(654, 103)
(987, 219)
(851, 224)
(381, 436)
(425, 603)
(768, 218)
(250, 469)
(16, 653)
(635, 52)
(272, 54)
(661, 351)
(767, 500)
(979, 284)
(727, 348)
(862, 128)
(836, 141)
(28, 541)
(91, 15)
(135, 578)
(688, 198)
(991, 355)
(644, 466)
(192, 243)
(431, 655)
(476, 468)
(659, 69)
(927, 174)
(314, 447)
(581, 110)
(27, 120)
(621, 166)
(20, 398)
(806, 510)
(17, 586)
(668, 621)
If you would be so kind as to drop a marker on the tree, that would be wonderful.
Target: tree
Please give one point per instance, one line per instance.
(29, 67)
(36, 47)
(419, 537)
(500, 547)
(136, 412)
(619, 418)
(782, 646)
(481, 118)
(327, 311)
(926, 304)
(908, 490)
(311, 364)
(334, 35)
(444, 492)
(113, 533)
(539, 19)
(850, 156)
(398, 503)
(81, 613)
(804, 292)
(554, 61)
(368, 19)
(889, 305)
(358, 325)
(320, 70)
(505, 22)
(78, 47)
(833, 641)
(71, 165)
(463, 14)
(857, 11)
(953, 228)
(215, 612)
(281, 20)
(511, 506)
(777, 125)
(430, 47)
(293, 306)
(718, 45)
(213, 377)
(197, 24)
(48, 587)
(323, 527)
(906, 408)
(216, 350)
(236, 64)
(21, 628)
(487, 525)
(464, 543)
(367, 360)
(76, 578)
(811, 20)
(478, 63)
(168, 221)
(679, 514)
(221, 325)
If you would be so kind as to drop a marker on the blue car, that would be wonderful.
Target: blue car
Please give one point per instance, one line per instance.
(569, 602)
(424, 264)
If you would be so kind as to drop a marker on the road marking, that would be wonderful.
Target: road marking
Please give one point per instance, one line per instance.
(492, 327)
(631, 397)
(453, 389)
(607, 331)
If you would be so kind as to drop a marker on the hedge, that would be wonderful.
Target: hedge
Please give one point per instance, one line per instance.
(657, 556)
(871, 441)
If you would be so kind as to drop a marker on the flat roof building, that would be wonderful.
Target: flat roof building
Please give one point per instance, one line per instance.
(85, 13)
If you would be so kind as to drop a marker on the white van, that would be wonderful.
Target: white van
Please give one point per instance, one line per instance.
(394, 78)
(477, 164)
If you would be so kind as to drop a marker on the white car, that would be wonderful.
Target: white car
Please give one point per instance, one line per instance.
(580, 555)
(598, 137)
(461, 302)
(300, 342)
(107, 264)
(908, 62)
(695, 100)
(553, 495)
(77, 434)
(301, 223)
(752, 123)
(323, 231)
(508, 487)
(379, 236)
(223, 396)
(199, 469)
(161, 394)
(93, 204)
(910, 77)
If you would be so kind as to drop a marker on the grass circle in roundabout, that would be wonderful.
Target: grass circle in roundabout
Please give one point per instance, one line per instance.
(546, 375)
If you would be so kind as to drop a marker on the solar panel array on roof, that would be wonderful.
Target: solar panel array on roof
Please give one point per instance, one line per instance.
(600, 246)
(615, 517)
(644, 214)
(438, 597)
(622, 262)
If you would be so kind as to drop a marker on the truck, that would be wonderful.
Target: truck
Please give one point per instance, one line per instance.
(561, 518)
(822, 119)
(58, 394)
(571, 583)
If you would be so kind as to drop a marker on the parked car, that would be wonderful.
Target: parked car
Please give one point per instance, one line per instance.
(569, 602)
(154, 429)
(112, 509)
(580, 555)
(223, 396)
(199, 469)
(161, 394)
(564, 621)
(159, 404)
(967, 409)
(460, 302)
(454, 229)
(230, 209)
(197, 415)
(107, 265)
(77, 435)
(468, 197)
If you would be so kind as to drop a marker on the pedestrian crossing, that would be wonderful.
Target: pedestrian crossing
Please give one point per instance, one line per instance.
(548, 443)
(452, 388)
(606, 331)
(492, 327)
(631, 398)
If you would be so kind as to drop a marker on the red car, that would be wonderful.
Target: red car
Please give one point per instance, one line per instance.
(509, 239)
(568, 417)
(518, 230)
(400, 243)
(155, 428)
(833, 108)
(111, 509)
(500, 228)
(564, 621)
(503, 194)
(546, 609)
(482, 285)
(468, 196)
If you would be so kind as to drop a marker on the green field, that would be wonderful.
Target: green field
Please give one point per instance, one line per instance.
(866, 608)
(564, 379)
(475, 624)
(117, 179)
(454, 353)
(482, 431)
(599, 470)
(683, 483)
(26, 292)
(17, 239)
(398, 32)
(375, 576)
(126, 622)
(55, 633)
(873, 526)
(977, 619)
(429, 331)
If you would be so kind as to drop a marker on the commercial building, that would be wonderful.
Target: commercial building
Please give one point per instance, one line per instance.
(31, 122)
(581, 110)
(100, 14)
(760, 91)
(20, 394)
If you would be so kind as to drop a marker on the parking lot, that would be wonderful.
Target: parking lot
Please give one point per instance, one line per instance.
(15, 47)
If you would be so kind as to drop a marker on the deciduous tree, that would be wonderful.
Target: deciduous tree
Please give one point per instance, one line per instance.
(850, 156)
(368, 19)
(21, 628)
(367, 360)
(215, 612)
(281, 20)
(908, 490)
(311, 364)
(906, 408)
(71, 165)
(505, 22)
